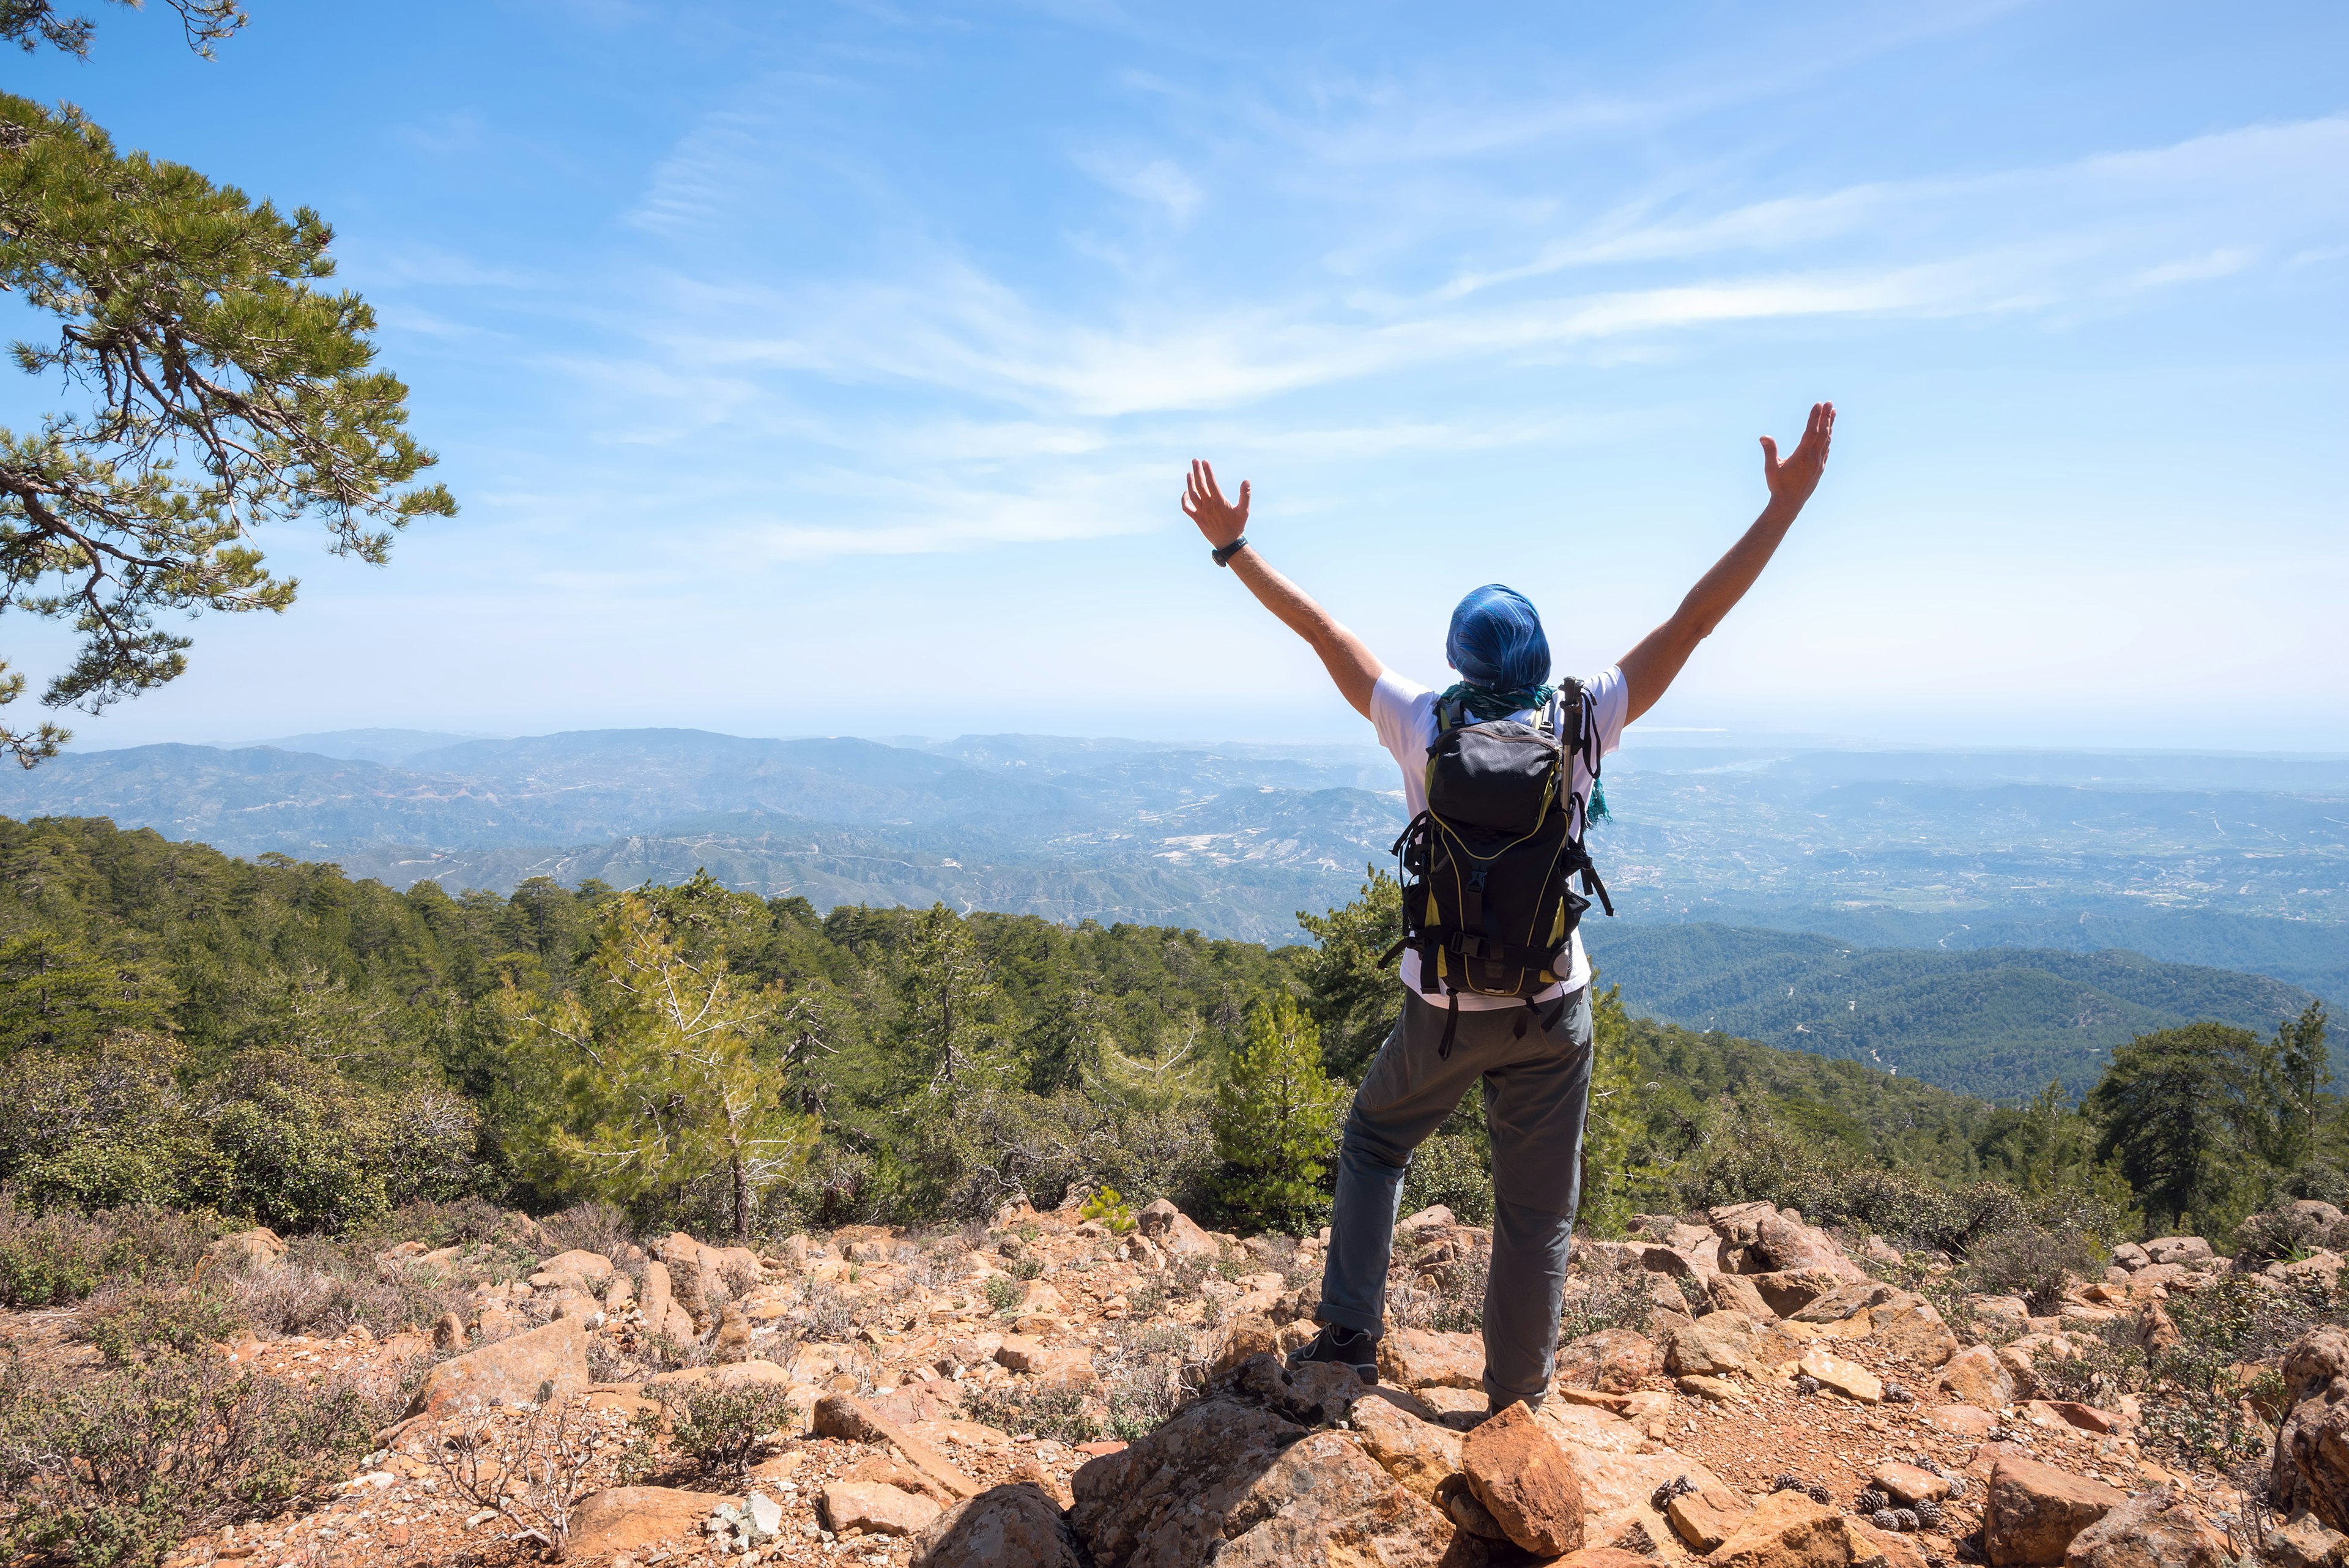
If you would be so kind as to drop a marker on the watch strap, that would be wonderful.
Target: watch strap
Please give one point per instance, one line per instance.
(1224, 553)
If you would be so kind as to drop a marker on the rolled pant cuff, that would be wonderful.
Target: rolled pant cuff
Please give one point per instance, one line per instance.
(1339, 1317)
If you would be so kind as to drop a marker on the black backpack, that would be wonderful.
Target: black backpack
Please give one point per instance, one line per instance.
(1486, 867)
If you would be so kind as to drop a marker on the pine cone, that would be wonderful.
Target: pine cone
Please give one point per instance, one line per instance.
(1785, 1483)
(1905, 1520)
(1819, 1495)
(1805, 1383)
(1896, 1394)
(1885, 1518)
(1929, 1514)
(1873, 1500)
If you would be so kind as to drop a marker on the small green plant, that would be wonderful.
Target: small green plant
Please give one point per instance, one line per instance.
(1003, 1294)
(1026, 1268)
(720, 1427)
(1111, 1209)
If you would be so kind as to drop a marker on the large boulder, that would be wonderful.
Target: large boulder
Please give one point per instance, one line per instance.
(1003, 1527)
(2151, 1529)
(2187, 1252)
(1756, 1238)
(1786, 1529)
(1789, 1291)
(1914, 1331)
(2312, 1453)
(2304, 1542)
(1161, 1502)
(845, 1416)
(2033, 1511)
(1324, 1504)
(630, 1518)
(1419, 1455)
(1527, 1481)
(575, 1270)
(549, 1363)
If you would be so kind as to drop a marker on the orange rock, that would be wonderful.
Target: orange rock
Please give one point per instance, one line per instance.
(1527, 1480)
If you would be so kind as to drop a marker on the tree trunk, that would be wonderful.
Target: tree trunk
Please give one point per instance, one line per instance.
(742, 1202)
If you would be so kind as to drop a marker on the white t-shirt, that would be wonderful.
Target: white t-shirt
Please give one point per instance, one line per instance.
(1404, 712)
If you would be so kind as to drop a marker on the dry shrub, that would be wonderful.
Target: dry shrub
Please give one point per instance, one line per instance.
(130, 1322)
(323, 1289)
(1603, 1300)
(1448, 1297)
(534, 1471)
(119, 1468)
(1059, 1411)
(2034, 1263)
(1142, 1376)
(589, 1228)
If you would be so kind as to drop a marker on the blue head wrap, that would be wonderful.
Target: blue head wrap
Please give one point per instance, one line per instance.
(1496, 642)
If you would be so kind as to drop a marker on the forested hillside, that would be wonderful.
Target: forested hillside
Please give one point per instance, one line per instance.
(272, 1039)
(2000, 1023)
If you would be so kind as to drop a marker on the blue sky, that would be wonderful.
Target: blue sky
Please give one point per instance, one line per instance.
(832, 368)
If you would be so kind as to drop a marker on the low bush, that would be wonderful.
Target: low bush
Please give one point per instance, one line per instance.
(1054, 1412)
(324, 1288)
(589, 1228)
(1597, 1301)
(720, 1429)
(1141, 1377)
(120, 1469)
(2032, 1261)
(58, 1258)
(1453, 1170)
(130, 1322)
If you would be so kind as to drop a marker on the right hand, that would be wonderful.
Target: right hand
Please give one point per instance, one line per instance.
(1204, 503)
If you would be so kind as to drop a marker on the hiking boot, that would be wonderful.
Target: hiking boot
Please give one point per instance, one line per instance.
(1342, 1347)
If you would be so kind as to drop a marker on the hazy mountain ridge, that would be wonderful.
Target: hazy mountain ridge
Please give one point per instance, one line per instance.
(1994, 1022)
(2179, 856)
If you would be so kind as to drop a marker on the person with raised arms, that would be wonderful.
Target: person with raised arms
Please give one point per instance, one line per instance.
(1499, 772)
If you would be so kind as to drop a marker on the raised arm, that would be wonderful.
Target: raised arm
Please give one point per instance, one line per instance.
(1650, 669)
(1350, 665)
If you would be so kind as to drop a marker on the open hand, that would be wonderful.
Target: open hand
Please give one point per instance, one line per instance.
(1218, 518)
(1792, 482)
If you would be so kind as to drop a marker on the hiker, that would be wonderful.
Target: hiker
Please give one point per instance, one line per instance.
(1495, 983)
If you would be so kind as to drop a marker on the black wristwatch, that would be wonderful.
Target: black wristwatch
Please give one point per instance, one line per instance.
(1224, 555)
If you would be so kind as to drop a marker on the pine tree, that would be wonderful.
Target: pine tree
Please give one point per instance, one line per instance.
(1276, 1120)
(2174, 1109)
(656, 1078)
(229, 391)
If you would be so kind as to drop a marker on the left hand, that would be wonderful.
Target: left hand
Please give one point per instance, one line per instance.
(1218, 519)
(1792, 482)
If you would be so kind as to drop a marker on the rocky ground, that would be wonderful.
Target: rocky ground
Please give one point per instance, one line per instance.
(1052, 1390)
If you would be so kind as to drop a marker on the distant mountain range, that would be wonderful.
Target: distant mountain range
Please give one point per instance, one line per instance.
(2231, 862)
(1998, 1021)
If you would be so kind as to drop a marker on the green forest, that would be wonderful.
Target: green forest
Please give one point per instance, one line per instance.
(275, 1041)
